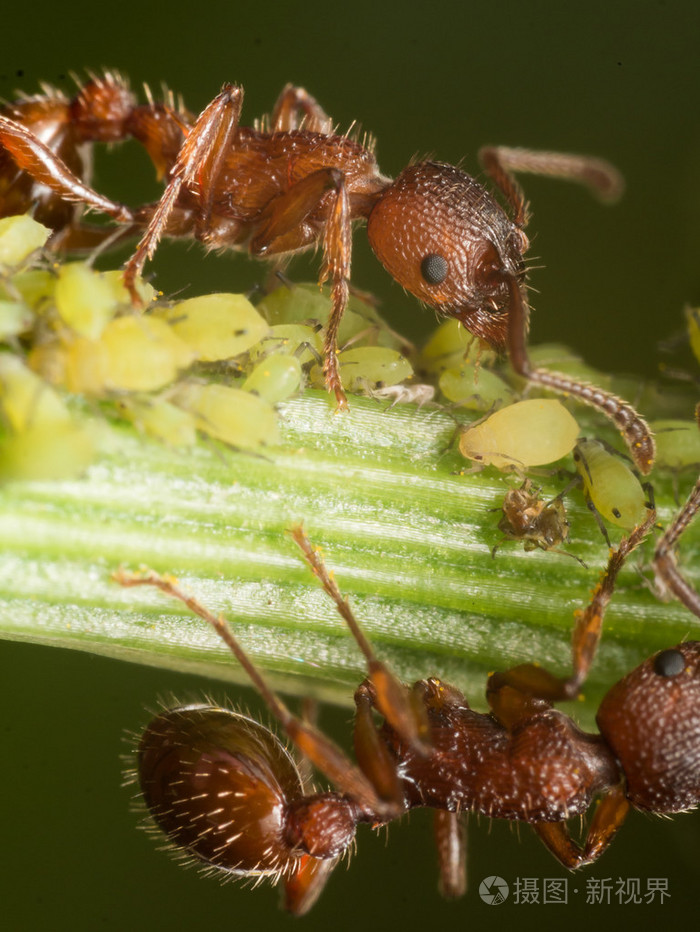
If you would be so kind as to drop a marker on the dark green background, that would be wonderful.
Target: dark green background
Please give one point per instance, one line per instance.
(618, 79)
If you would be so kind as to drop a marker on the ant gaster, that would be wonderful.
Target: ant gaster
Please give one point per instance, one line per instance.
(223, 788)
(291, 182)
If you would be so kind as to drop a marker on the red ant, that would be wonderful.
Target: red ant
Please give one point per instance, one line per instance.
(291, 182)
(223, 788)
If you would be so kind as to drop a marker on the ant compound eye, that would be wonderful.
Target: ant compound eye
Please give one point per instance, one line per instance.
(433, 268)
(669, 663)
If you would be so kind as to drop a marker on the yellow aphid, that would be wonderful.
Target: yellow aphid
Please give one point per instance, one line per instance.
(47, 451)
(160, 419)
(474, 387)
(304, 342)
(610, 485)
(85, 299)
(19, 237)
(306, 302)
(26, 400)
(15, 318)
(35, 287)
(134, 353)
(366, 367)
(115, 280)
(275, 378)
(216, 326)
(677, 443)
(692, 316)
(528, 433)
(237, 417)
(450, 345)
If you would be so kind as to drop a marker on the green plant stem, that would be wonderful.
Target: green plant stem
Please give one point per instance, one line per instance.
(408, 538)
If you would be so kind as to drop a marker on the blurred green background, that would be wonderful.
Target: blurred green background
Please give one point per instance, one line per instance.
(617, 79)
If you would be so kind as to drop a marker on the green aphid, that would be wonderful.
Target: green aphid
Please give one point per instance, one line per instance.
(610, 485)
(528, 433)
(216, 326)
(275, 378)
(364, 368)
(237, 417)
(475, 388)
(677, 443)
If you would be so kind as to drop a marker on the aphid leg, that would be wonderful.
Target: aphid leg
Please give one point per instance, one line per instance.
(200, 158)
(599, 176)
(609, 815)
(634, 429)
(515, 693)
(451, 843)
(382, 689)
(309, 741)
(665, 561)
(296, 109)
(32, 156)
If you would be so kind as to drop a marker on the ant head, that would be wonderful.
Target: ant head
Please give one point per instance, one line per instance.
(443, 237)
(217, 784)
(651, 720)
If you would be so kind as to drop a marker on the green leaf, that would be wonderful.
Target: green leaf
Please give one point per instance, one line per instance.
(408, 537)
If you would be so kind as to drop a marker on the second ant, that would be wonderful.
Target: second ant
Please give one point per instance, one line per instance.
(225, 791)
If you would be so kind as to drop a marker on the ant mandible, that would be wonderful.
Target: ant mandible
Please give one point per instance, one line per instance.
(223, 788)
(290, 182)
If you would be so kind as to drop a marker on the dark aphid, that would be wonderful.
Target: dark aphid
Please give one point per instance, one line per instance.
(537, 523)
(223, 789)
(290, 183)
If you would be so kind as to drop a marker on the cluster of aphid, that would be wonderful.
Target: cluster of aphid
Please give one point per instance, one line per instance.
(215, 364)
(223, 787)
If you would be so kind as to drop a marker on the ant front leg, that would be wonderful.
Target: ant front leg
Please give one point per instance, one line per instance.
(284, 227)
(200, 159)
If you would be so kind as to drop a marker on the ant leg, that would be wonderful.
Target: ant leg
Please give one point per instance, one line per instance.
(297, 109)
(200, 158)
(451, 843)
(599, 176)
(609, 816)
(45, 167)
(634, 429)
(517, 692)
(382, 689)
(306, 884)
(282, 228)
(664, 562)
(320, 750)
